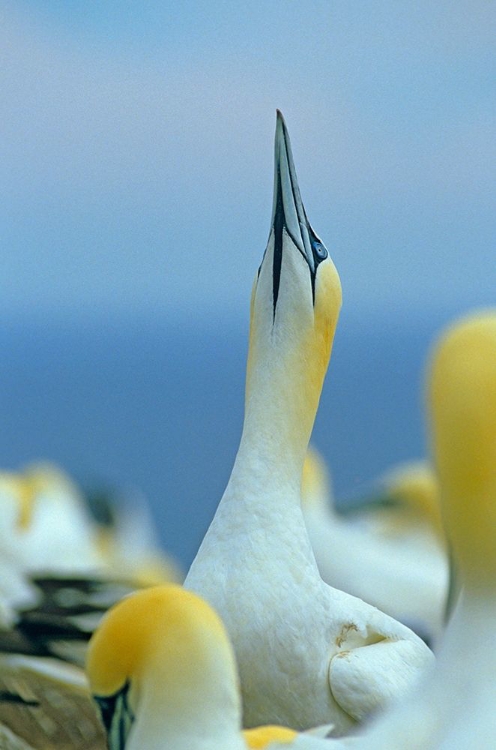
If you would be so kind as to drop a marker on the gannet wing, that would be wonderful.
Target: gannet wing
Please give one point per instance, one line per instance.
(44, 703)
(365, 679)
(62, 621)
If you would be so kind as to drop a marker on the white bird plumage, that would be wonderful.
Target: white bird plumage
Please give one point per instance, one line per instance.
(308, 654)
(163, 673)
(393, 557)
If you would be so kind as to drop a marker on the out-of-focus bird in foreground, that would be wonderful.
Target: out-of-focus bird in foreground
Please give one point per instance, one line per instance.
(163, 674)
(453, 708)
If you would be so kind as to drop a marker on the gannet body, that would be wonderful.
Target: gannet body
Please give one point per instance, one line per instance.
(394, 559)
(163, 674)
(308, 654)
(453, 708)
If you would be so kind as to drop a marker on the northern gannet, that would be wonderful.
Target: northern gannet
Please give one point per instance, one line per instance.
(163, 674)
(308, 654)
(391, 554)
(453, 708)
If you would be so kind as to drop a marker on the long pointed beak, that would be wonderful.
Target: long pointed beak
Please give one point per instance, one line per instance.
(289, 219)
(287, 207)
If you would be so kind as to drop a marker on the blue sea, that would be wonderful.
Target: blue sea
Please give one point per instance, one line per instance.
(159, 405)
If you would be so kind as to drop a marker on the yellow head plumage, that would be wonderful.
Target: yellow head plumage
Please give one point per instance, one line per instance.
(462, 400)
(163, 629)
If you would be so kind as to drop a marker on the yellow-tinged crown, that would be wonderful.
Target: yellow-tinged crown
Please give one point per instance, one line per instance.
(258, 738)
(36, 478)
(462, 399)
(164, 629)
(308, 325)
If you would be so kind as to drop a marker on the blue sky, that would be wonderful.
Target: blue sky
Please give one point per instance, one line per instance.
(136, 143)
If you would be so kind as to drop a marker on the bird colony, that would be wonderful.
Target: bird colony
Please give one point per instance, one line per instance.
(298, 624)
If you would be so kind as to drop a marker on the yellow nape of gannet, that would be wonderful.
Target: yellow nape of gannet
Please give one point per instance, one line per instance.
(308, 654)
(454, 707)
(393, 557)
(163, 674)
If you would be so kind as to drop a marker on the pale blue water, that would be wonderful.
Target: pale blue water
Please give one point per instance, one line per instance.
(160, 407)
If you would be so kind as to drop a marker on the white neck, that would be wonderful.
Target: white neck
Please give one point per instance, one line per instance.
(205, 718)
(143, 735)
(281, 403)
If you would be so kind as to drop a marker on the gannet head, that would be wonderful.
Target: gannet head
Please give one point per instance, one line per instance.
(160, 665)
(462, 400)
(296, 299)
(414, 486)
(25, 488)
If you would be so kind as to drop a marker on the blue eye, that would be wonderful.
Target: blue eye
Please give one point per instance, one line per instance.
(319, 249)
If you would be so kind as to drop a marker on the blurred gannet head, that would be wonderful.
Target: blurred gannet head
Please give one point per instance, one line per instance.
(414, 486)
(44, 523)
(295, 304)
(161, 668)
(462, 400)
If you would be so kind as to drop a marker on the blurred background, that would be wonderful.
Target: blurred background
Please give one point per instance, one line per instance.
(136, 190)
